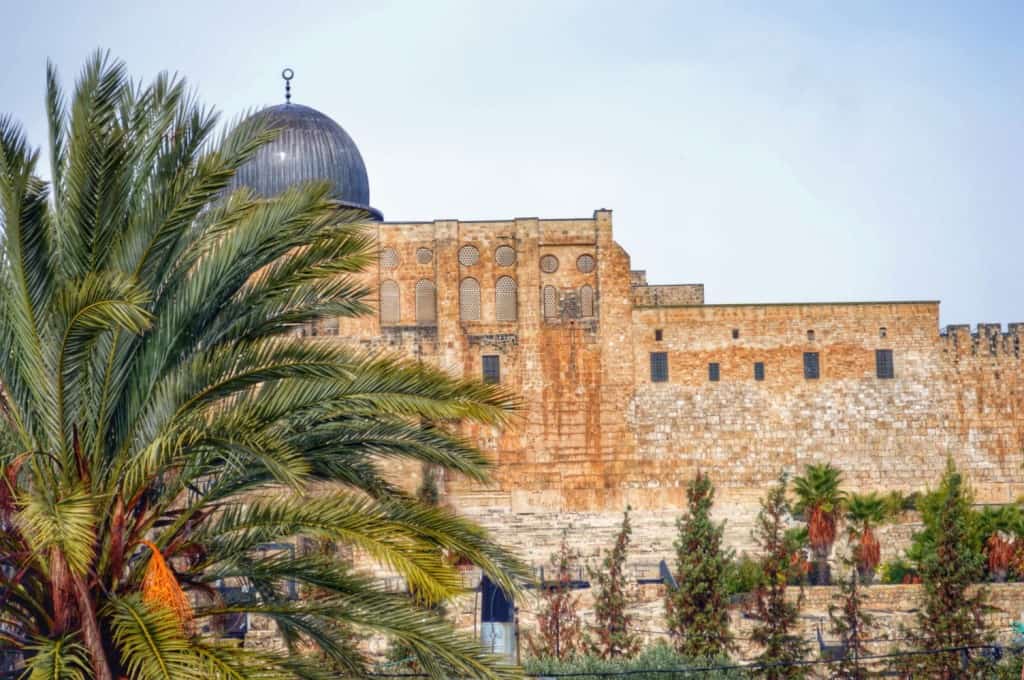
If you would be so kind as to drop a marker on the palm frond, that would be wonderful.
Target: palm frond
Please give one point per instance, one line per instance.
(60, 659)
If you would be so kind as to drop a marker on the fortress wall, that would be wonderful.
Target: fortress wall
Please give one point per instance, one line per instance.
(884, 434)
(595, 434)
(673, 295)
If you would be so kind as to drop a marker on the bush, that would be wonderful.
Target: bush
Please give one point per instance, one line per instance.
(658, 657)
(743, 576)
(897, 571)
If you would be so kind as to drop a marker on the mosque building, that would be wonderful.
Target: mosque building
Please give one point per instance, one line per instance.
(629, 388)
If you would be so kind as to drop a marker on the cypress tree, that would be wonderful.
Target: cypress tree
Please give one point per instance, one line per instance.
(777, 617)
(697, 611)
(559, 629)
(850, 623)
(613, 638)
(952, 602)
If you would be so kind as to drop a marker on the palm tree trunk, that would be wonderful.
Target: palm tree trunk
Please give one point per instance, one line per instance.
(91, 631)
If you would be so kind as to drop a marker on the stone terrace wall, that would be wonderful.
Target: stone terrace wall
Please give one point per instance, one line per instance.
(892, 607)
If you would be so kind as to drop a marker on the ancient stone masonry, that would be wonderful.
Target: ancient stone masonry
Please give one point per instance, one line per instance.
(628, 389)
(875, 387)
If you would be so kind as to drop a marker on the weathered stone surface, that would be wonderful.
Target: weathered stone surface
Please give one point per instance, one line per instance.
(594, 434)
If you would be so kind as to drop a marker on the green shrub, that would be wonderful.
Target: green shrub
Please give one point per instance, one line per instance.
(658, 657)
(895, 571)
(743, 576)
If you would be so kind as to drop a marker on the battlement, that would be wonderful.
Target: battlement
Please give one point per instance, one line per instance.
(987, 340)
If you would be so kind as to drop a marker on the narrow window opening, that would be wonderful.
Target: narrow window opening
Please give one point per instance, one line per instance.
(884, 368)
(389, 297)
(659, 367)
(492, 369)
(586, 301)
(657, 335)
(426, 302)
(883, 332)
(550, 301)
(812, 366)
(469, 300)
(713, 372)
(810, 336)
(735, 333)
(506, 301)
(759, 370)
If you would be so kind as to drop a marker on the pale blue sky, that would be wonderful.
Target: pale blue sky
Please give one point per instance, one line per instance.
(811, 151)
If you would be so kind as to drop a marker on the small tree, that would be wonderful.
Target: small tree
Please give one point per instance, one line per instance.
(864, 513)
(850, 623)
(559, 629)
(697, 611)
(951, 610)
(777, 617)
(613, 638)
(820, 503)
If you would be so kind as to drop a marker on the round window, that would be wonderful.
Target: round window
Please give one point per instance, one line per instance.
(549, 264)
(468, 256)
(505, 256)
(585, 263)
(424, 255)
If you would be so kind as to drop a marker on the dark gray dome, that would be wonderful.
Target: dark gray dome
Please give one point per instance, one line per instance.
(309, 147)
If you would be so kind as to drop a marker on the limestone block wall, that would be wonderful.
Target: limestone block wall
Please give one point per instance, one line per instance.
(893, 607)
(671, 295)
(595, 434)
(947, 399)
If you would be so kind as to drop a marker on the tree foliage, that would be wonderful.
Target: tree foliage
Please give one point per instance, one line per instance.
(777, 616)
(155, 393)
(612, 622)
(820, 502)
(864, 514)
(951, 612)
(697, 611)
(559, 633)
(850, 624)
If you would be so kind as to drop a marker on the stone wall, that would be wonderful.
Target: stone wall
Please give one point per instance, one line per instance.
(668, 296)
(894, 609)
(594, 434)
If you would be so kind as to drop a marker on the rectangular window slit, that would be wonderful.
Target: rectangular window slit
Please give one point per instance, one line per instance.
(659, 367)
(492, 369)
(812, 366)
(883, 364)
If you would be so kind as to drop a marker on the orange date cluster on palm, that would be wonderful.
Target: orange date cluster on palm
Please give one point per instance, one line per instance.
(160, 588)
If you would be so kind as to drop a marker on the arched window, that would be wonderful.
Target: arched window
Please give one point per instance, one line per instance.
(469, 300)
(586, 301)
(426, 302)
(389, 311)
(388, 259)
(550, 302)
(505, 299)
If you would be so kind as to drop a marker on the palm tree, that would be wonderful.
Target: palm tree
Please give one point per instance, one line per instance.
(162, 422)
(996, 527)
(864, 513)
(820, 503)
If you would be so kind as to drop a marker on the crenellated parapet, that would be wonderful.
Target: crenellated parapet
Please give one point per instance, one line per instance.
(988, 340)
